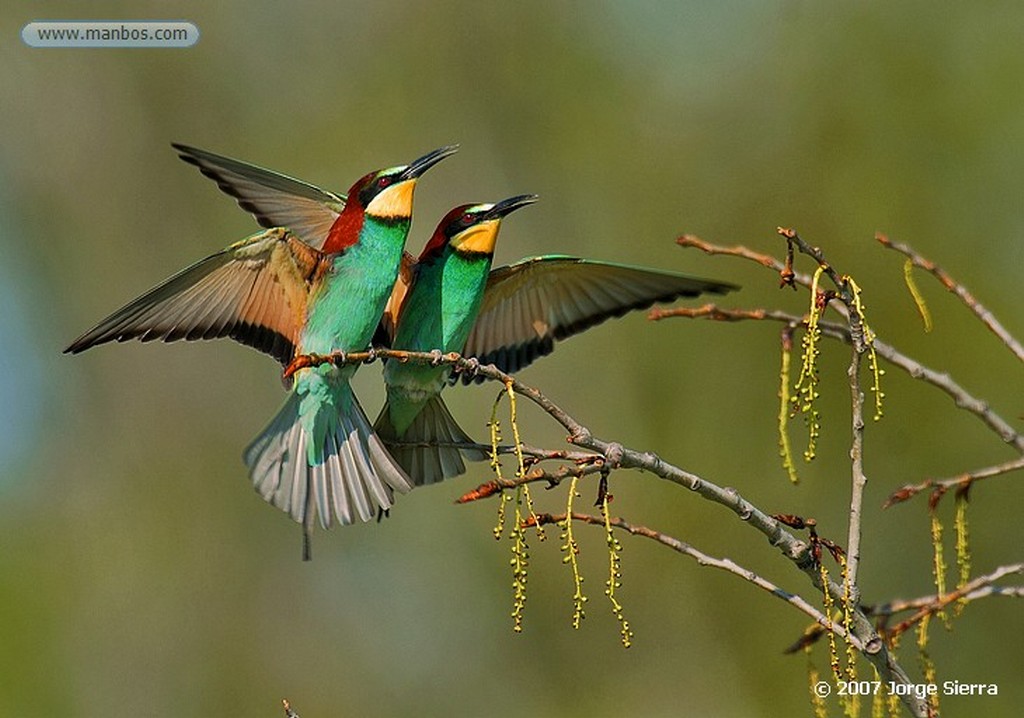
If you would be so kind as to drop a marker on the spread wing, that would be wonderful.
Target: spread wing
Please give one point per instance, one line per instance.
(274, 199)
(529, 305)
(254, 291)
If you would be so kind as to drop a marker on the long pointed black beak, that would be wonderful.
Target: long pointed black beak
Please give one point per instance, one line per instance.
(508, 206)
(424, 163)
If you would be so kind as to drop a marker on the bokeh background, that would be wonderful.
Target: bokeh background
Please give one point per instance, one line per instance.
(141, 575)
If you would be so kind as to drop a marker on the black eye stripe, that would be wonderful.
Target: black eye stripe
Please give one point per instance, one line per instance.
(462, 222)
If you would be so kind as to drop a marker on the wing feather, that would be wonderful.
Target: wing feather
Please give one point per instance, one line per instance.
(254, 292)
(273, 199)
(529, 305)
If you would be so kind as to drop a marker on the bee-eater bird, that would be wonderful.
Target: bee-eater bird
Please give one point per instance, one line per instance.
(275, 292)
(526, 307)
(440, 308)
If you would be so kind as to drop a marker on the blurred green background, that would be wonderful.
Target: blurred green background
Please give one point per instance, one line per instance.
(141, 575)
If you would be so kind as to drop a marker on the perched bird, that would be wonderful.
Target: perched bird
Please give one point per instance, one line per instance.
(524, 309)
(527, 306)
(438, 313)
(279, 294)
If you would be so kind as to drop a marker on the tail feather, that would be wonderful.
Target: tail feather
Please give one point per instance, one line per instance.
(379, 455)
(352, 494)
(275, 461)
(355, 478)
(320, 491)
(426, 462)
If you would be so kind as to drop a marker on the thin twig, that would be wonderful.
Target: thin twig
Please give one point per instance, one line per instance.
(553, 478)
(785, 270)
(944, 600)
(960, 396)
(716, 313)
(534, 454)
(725, 564)
(814, 253)
(858, 478)
(984, 315)
(765, 260)
(981, 587)
(963, 480)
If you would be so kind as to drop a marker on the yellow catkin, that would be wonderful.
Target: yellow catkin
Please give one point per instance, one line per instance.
(521, 460)
(927, 664)
(614, 575)
(520, 562)
(878, 709)
(893, 702)
(852, 704)
(806, 387)
(876, 380)
(495, 430)
(813, 679)
(922, 308)
(869, 341)
(963, 549)
(785, 450)
(828, 604)
(520, 549)
(851, 652)
(938, 561)
(571, 550)
(894, 705)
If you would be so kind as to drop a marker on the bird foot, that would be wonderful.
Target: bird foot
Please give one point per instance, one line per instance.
(470, 367)
(306, 361)
(302, 361)
(436, 357)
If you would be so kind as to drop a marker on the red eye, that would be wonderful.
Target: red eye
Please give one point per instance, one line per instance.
(466, 219)
(383, 182)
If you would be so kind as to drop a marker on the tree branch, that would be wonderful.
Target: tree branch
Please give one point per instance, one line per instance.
(980, 587)
(872, 646)
(941, 602)
(963, 481)
(984, 315)
(960, 396)
(725, 564)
